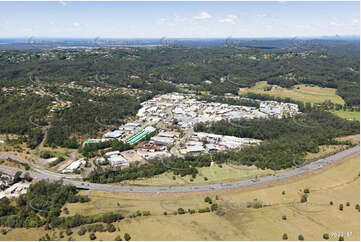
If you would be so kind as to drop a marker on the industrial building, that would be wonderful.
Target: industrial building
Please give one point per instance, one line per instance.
(74, 166)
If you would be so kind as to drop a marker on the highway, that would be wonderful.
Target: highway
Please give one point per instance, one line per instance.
(40, 174)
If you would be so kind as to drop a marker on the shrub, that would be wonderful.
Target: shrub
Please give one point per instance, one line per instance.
(340, 207)
(348, 204)
(357, 207)
(331, 203)
(284, 217)
(127, 237)
(285, 236)
(206, 178)
(306, 190)
(146, 213)
(204, 210)
(300, 237)
(326, 236)
(165, 213)
(284, 193)
(118, 238)
(341, 238)
(92, 236)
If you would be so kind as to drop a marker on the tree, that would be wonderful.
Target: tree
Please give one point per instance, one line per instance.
(92, 236)
(65, 210)
(27, 177)
(82, 230)
(300, 237)
(304, 198)
(326, 236)
(331, 203)
(181, 211)
(340, 207)
(17, 176)
(118, 238)
(208, 200)
(284, 217)
(285, 236)
(283, 192)
(357, 207)
(347, 204)
(127, 237)
(214, 207)
(68, 231)
(110, 228)
(341, 238)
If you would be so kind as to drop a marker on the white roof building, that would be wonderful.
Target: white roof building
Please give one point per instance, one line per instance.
(162, 140)
(74, 166)
(113, 134)
(112, 153)
(118, 161)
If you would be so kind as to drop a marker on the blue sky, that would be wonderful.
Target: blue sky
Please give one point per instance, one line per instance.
(178, 19)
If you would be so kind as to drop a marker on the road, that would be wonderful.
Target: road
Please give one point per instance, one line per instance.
(316, 165)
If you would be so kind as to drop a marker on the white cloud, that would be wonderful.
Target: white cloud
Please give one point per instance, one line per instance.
(230, 19)
(261, 15)
(76, 24)
(63, 3)
(355, 22)
(180, 19)
(203, 15)
(161, 21)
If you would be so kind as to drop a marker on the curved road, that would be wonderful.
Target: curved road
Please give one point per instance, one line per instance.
(316, 165)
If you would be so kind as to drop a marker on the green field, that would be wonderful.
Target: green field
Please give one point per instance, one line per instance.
(304, 93)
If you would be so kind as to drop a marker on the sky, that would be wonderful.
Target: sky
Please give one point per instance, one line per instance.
(178, 19)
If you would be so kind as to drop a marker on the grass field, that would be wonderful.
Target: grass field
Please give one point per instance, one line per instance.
(347, 114)
(339, 183)
(304, 93)
(212, 173)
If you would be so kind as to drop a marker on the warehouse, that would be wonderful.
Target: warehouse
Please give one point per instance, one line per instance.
(162, 140)
(113, 134)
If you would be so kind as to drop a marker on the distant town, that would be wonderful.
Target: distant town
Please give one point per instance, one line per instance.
(164, 127)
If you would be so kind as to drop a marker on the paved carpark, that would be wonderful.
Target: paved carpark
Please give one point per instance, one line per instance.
(44, 174)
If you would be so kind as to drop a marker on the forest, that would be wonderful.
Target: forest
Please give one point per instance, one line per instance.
(215, 71)
(43, 204)
(162, 69)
